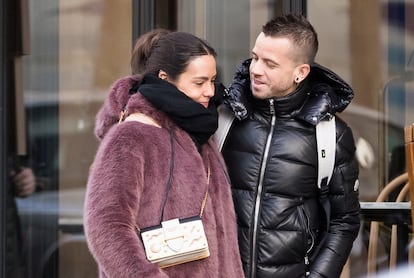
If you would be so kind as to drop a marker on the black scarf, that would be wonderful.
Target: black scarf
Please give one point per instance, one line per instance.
(194, 118)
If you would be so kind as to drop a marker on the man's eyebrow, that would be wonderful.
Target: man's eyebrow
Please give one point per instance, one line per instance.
(267, 60)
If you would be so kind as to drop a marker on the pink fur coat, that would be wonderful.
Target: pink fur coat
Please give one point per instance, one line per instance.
(127, 185)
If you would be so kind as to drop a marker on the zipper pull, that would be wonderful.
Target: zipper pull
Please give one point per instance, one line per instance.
(272, 106)
(307, 273)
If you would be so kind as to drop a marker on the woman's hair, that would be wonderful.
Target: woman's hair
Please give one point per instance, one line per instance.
(169, 51)
(143, 48)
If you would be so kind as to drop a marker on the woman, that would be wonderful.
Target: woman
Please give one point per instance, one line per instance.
(159, 163)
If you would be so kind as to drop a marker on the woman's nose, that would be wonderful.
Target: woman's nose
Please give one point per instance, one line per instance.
(210, 90)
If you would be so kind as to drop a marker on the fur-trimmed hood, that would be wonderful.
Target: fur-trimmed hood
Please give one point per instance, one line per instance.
(114, 104)
(122, 100)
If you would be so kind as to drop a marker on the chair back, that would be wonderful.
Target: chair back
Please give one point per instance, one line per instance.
(409, 156)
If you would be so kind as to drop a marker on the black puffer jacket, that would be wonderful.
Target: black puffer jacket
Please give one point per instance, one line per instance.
(273, 169)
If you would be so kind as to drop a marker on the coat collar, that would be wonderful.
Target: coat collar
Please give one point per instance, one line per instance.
(322, 94)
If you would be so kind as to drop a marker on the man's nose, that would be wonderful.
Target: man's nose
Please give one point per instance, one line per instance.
(256, 67)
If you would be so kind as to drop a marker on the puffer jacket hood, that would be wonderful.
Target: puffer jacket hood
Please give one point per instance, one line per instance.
(327, 94)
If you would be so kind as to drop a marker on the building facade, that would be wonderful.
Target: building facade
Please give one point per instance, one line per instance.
(59, 58)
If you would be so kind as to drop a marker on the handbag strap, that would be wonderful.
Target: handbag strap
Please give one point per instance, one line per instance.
(169, 182)
(203, 203)
(148, 120)
(142, 118)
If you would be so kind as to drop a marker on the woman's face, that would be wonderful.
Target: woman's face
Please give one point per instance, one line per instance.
(197, 81)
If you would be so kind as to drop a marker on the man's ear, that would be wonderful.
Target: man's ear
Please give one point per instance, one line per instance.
(163, 75)
(302, 72)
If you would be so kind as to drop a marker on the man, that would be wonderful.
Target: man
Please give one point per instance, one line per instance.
(278, 97)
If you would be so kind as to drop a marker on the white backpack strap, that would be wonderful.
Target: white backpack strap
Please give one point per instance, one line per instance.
(326, 142)
(225, 120)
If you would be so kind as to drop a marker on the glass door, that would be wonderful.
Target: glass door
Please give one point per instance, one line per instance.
(77, 48)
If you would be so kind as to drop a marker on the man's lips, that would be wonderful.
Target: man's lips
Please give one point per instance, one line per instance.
(257, 83)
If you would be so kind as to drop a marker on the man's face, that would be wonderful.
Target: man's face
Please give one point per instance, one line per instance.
(272, 70)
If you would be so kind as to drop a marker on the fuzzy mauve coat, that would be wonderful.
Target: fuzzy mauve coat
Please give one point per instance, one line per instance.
(127, 184)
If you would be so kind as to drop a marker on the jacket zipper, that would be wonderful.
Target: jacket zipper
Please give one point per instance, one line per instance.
(259, 191)
(308, 233)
